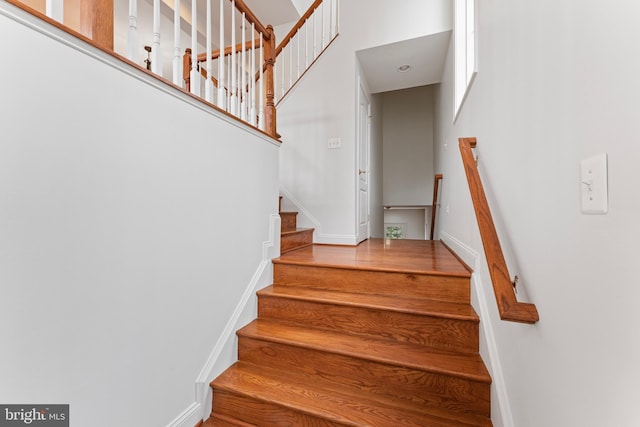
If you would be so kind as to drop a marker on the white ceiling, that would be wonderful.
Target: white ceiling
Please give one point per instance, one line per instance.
(274, 12)
(426, 56)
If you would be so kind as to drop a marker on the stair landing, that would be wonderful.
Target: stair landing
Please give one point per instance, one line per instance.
(390, 255)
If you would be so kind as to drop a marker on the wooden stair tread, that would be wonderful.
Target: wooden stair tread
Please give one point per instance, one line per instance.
(217, 420)
(425, 257)
(461, 365)
(301, 393)
(296, 231)
(420, 306)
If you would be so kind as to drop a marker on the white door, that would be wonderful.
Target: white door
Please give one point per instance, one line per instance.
(363, 166)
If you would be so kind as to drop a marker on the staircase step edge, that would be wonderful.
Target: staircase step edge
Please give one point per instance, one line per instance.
(479, 375)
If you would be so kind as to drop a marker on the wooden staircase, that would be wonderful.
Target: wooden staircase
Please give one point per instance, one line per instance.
(292, 237)
(376, 335)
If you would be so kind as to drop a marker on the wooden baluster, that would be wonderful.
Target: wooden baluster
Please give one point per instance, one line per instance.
(261, 84)
(156, 53)
(132, 35)
(208, 86)
(186, 69)
(221, 68)
(270, 108)
(54, 9)
(193, 73)
(177, 72)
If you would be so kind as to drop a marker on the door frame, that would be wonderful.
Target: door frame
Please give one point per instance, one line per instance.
(363, 96)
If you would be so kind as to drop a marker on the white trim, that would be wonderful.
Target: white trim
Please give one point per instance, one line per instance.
(268, 252)
(189, 417)
(472, 259)
(336, 239)
(20, 16)
(213, 367)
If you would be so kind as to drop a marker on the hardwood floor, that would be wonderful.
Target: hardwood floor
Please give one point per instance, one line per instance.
(381, 334)
(408, 256)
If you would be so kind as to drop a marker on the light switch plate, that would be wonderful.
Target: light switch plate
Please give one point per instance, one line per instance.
(334, 143)
(594, 185)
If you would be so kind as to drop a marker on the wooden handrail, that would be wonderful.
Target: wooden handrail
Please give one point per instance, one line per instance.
(508, 306)
(436, 181)
(202, 57)
(249, 16)
(298, 25)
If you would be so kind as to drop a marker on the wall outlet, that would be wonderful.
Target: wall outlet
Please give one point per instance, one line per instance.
(334, 143)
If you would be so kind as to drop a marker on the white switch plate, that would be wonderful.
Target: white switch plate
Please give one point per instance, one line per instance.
(593, 185)
(334, 143)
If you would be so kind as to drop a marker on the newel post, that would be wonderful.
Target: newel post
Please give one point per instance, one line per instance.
(270, 106)
(96, 21)
(186, 69)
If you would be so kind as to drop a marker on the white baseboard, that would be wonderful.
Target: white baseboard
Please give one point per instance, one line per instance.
(189, 418)
(336, 239)
(224, 351)
(472, 259)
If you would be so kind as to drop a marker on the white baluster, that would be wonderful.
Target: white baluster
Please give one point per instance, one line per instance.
(290, 64)
(234, 74)
(132, 36)
(306, 44)
(243, 70)
(156, 53)
(252, 78)
(298, 55)
(221, 68)
(229, 87)
(177, 52)
(281, 67)
(314, 33)
(331, 33)
(208, 86)
(261, 80)
(194, 75)
(322, 25)
(55, 10)
(337, 17)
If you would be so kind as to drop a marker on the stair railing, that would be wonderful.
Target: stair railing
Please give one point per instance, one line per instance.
(314, 32)
(504, 288)
(238, 78)
(434, 205)
(224, 78)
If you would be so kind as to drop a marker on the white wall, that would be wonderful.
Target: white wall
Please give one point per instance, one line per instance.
(375, 168)
(323, 106)
(408, 146)
(557, 82)
(129, 231)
